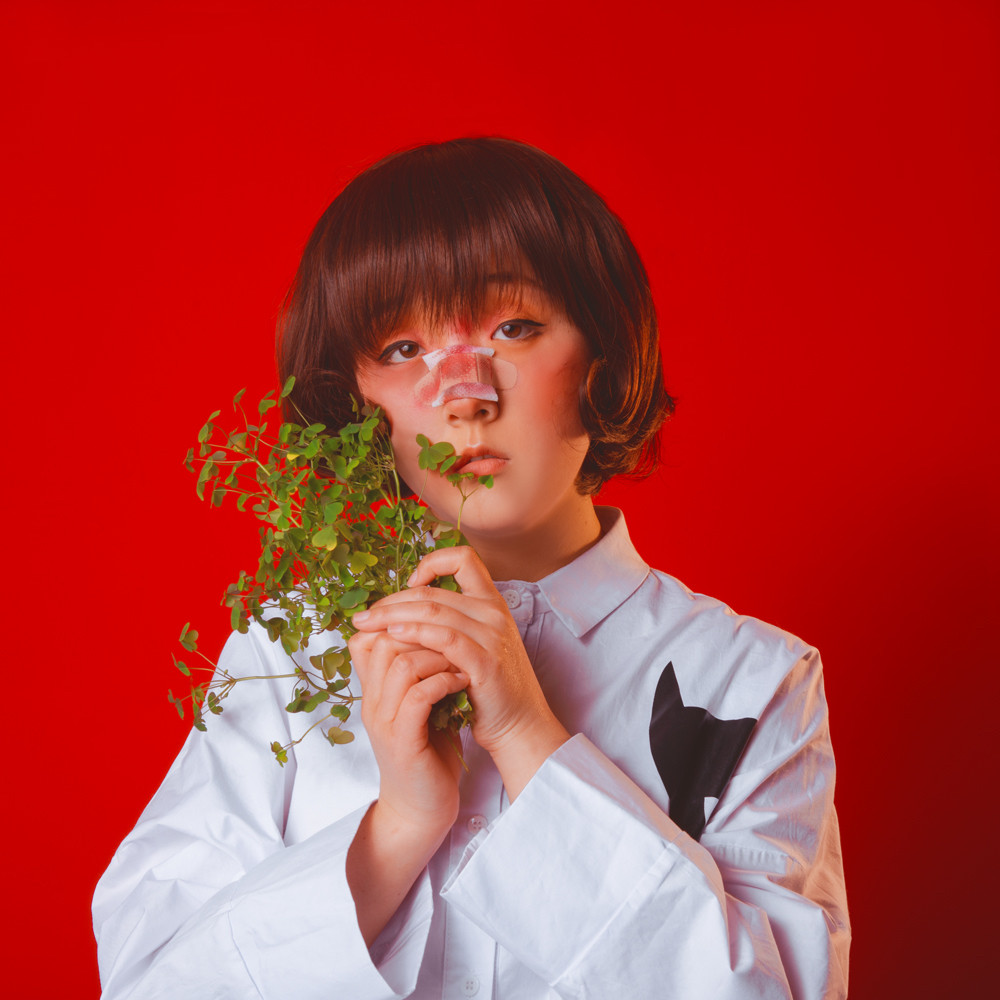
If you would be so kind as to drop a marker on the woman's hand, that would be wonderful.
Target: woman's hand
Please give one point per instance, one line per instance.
(418, 773)
(418, 768)
(473, 631)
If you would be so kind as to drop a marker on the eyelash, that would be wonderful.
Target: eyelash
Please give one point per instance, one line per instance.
(531, 327)
(525, 324)
(387, 354)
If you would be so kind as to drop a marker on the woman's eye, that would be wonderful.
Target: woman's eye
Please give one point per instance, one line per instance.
(402, 350)
(516, 329)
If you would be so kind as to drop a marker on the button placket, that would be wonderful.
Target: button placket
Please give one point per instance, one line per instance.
(470, 953)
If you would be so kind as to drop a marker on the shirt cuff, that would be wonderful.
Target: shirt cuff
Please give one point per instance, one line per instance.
(303, 905)
(580, 842)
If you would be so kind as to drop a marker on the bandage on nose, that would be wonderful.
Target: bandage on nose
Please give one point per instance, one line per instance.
(463, 372)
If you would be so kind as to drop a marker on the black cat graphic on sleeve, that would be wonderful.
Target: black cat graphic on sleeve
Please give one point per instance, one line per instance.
(694, 752)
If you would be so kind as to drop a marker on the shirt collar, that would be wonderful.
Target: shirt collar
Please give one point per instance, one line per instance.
(588, 589)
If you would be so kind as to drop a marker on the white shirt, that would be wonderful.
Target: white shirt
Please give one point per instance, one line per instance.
(598, 881)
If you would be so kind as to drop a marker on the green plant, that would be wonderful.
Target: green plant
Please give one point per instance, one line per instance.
(337, 534)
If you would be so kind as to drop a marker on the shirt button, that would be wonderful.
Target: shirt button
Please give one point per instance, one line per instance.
(513, 598)
(470, 986)
(475, 824)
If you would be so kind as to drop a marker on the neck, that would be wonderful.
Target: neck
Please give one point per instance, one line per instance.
(537, 552)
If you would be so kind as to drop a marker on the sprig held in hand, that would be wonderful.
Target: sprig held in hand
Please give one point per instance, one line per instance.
(337, 534)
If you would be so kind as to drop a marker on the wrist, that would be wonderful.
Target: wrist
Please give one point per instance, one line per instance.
(522, 752)
(411, 833)
(385, 858)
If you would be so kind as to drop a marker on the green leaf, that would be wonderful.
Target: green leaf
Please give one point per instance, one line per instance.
(286, 389)
(337, 736)
(297, 703)
(360, 561)
(265, 404)
(352, 598)
(341, 553)
(331, 511)
(189, 638)
(329, 663)
(275, 627)
(317, 699)
(326, 538)
(286, 561)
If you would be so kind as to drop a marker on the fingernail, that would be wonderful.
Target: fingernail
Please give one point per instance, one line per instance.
(398, 627)
(409, 579)
(361, 616)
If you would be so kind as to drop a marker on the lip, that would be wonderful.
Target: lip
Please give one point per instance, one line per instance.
(480, 461)
(489, 466)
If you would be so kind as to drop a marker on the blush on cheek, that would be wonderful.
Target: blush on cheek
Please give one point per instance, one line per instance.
(561, 391)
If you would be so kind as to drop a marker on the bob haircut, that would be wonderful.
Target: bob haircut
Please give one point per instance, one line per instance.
(426, 231)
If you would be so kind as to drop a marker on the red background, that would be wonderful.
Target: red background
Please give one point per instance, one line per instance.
(814, 189)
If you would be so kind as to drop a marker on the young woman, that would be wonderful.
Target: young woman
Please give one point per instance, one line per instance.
(648, 806)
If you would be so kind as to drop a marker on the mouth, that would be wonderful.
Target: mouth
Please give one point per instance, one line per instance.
(480, 461)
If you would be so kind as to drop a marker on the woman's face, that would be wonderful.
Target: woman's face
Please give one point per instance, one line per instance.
(530, 438)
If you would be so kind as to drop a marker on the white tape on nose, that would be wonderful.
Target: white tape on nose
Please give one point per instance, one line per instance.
(463, 372)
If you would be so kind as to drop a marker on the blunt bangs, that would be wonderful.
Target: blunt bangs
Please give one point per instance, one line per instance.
(431, 231)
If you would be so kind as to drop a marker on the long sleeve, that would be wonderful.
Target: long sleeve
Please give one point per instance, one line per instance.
(588, 882)
(207, 897)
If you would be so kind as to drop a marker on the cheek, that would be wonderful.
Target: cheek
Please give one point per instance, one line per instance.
(559, 398)
(393, 395)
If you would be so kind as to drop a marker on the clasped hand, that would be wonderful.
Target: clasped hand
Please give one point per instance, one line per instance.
(423, 643)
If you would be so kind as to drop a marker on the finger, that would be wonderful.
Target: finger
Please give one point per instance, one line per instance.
(415, 709)
(407, 670)
(453, 644)
(449, 598)
(372, 654)
(474, 616)
(460, 562)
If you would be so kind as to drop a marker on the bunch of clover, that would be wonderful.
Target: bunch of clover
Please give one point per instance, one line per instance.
(337, 533)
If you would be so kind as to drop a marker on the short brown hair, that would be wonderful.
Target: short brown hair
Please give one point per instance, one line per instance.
(426, 229)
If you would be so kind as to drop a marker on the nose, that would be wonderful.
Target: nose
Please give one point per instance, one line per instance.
(461, 380)
(469, 409)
